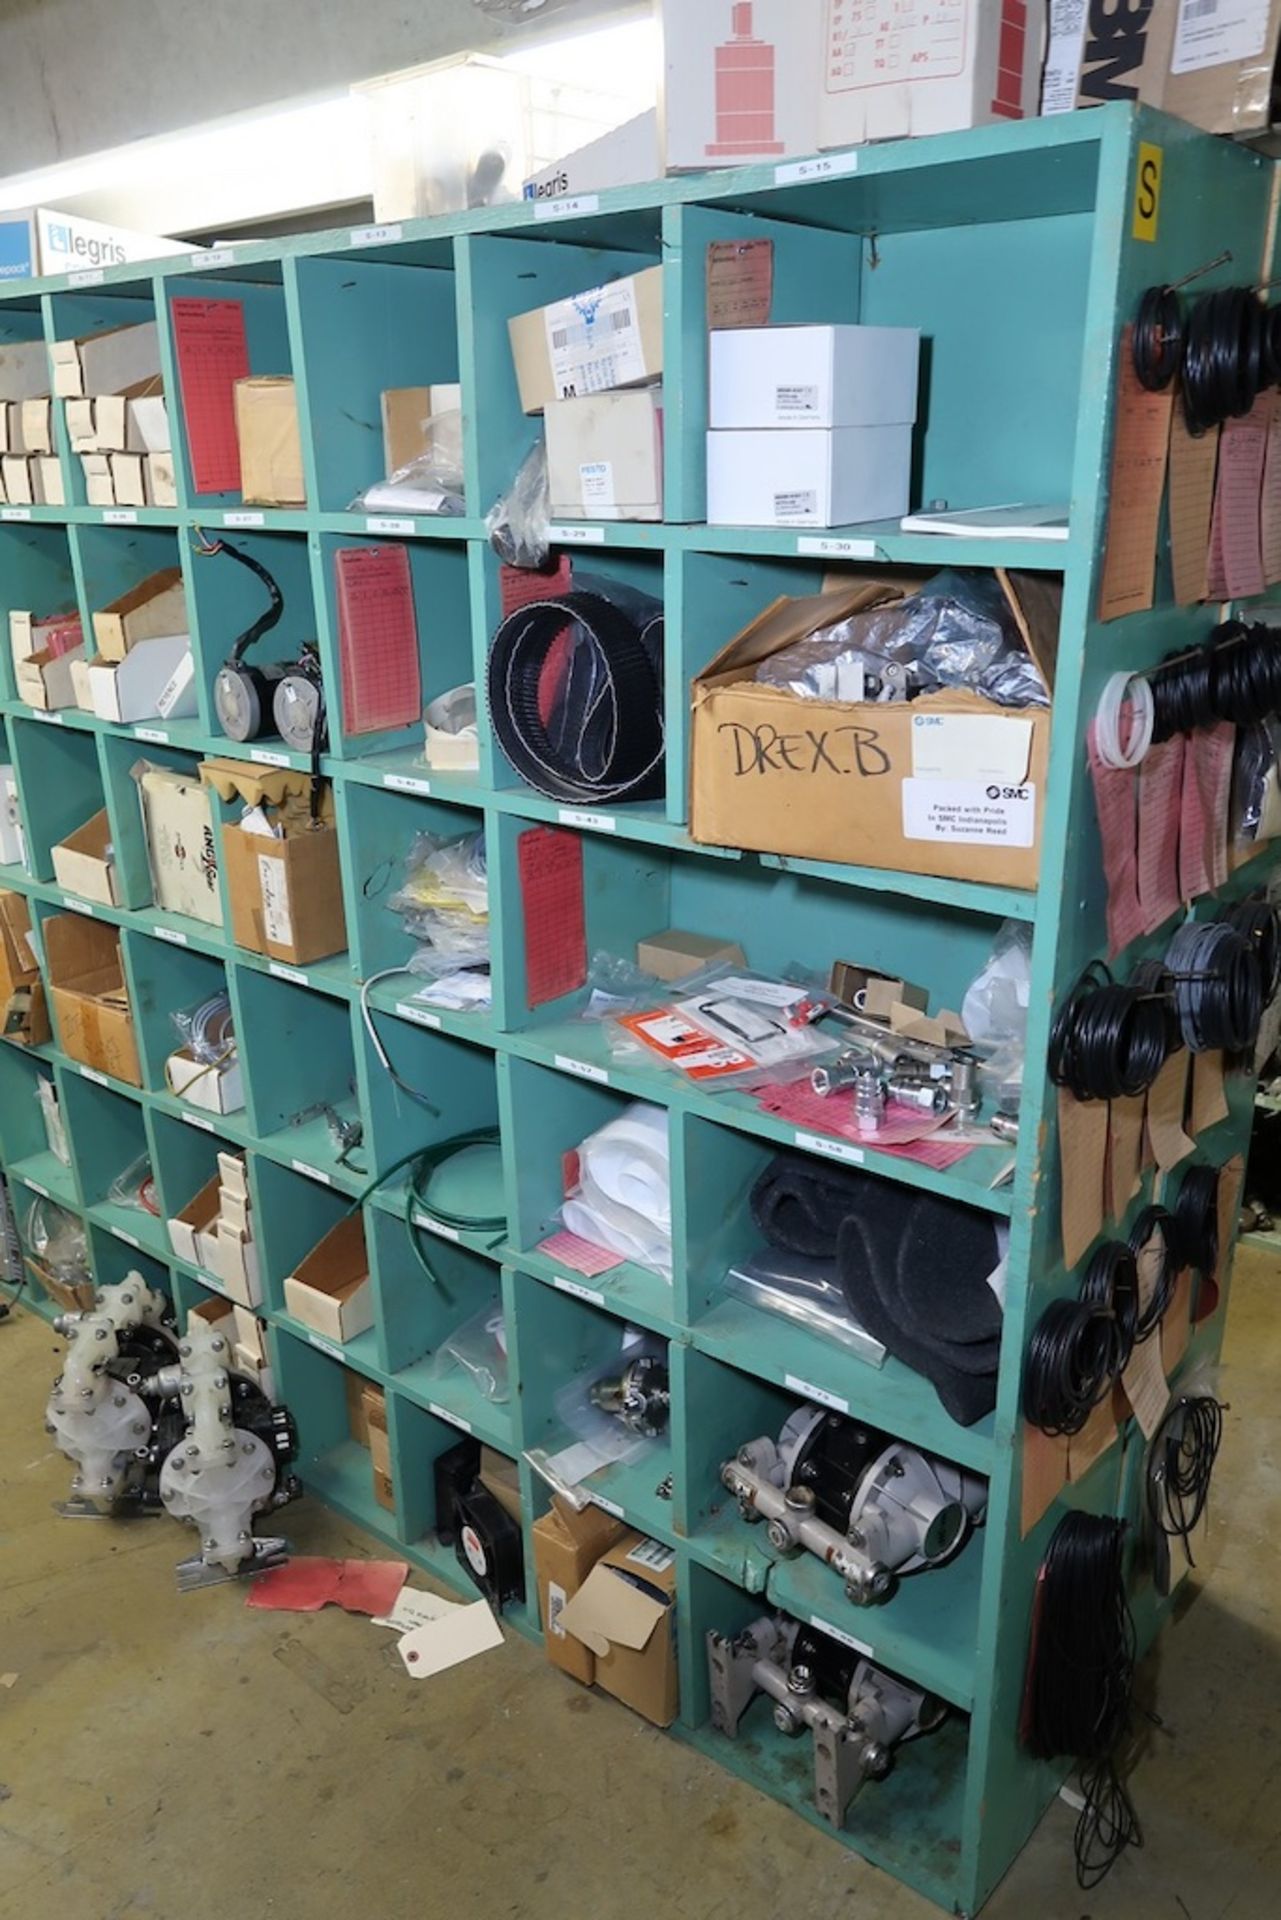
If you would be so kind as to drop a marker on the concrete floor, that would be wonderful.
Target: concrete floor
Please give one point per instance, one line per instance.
(181, 1759)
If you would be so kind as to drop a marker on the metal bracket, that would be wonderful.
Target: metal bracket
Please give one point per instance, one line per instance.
(78, 1507)
(195, 1573)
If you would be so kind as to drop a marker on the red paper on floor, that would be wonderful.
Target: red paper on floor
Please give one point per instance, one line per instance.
(306, 1585)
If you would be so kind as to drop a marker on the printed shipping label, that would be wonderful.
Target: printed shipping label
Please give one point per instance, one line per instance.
(801, 505)
(971, 813)
(654, 1555)
(596, 484)
(557, 1601)
(971, 746)
(277, 920)
(789, 402)
(594, 340)
(1063, 61)
(1212, 32)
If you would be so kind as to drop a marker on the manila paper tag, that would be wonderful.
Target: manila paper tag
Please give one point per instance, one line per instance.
(1083, 1152)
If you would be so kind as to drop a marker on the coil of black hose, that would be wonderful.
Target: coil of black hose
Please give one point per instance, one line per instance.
(1196, 1215)
(1111, 1281)
(1108, 1040)
(1235, 676)
(1157, 341)
(619, 686)
(1216, 981)
(1223, 357)
(1155, 1220)
(1259, 923)
(1079, 1692)
(1069, 1365)
(1149, 978)
(1179, 1469)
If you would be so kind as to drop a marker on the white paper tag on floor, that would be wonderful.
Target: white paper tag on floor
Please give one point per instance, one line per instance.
(414, 1608)
(457, 1635)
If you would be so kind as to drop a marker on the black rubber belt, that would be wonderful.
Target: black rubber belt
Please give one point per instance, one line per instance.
(628, 663)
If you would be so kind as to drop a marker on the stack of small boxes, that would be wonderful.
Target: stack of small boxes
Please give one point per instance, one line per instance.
(245, 1334)
(143, 665)
(30, 474)
(117, 419)
(215, 1231)
(46, 649)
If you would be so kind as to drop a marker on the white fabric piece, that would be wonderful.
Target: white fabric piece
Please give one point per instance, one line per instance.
(624, 1200)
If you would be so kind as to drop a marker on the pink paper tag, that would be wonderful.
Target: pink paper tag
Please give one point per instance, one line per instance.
(1116, 804)
(579, 1255)
(1160, 784)
(800, 1106)
(1242, 451)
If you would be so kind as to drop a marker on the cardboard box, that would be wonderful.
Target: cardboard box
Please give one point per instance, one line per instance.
(132, 688)
(355, 1387)
(624, 157)
(808, 477)
(805, 376)
(13, 839)
(500, 1476)
(107, 362)
(87, 988)
(233, 1258)
(45, 680)
(601, 339)
(161, 484)
(625, 1614)
(251, 1332)
(405, 411)
(739, 81)
(190, 1230)
(567, 1546)
(180, 838)
(47, 482)
(214, 1088)
(19, 490)
(216, 1313)
(6, 445)
(270, 445)
(147, 427)
(929, 69)
(1212, 66)
(177, 698)
(72, 1297)
(155, 607)
(330, 1290)
(99, 487)
(31, 633)
(19, 966)
(605, 456)
(674, 955)
(127, 479)
(24, 369)
(375, 1401)
(37, 426)
(24, 1020)
(286, 894)
(872, 993)
(85, 862)
(872, 785)
(82, 425)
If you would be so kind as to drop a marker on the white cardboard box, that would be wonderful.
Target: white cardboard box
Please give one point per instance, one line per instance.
(24, 369)
(625, 157)
(330, 1290)
(47, 482)
(107, 362)
(162, 487)
(600, 339)
(740, 82)
(13, 840)
(127, 479)
(15, 475)
(45, 680)
(99, 491)
(147, 430)
(917, 68)
(182, 843)
(605, 456)
(217, 1089)
(84, 862)
(235, 1262)
(177, 698)
(818, 477)
(82, 425)
(131, 689)
(810, 376)
(37, 425)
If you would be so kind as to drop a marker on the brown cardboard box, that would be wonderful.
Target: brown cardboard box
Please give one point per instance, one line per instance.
(270, 444)
(24, 1012)
(217, 1313)
(45, 680)
(674, 955)
(356, 1387)
(374, 1402)
(77, 1298)
(1215, 73)
(155, 607)
(406, 411)
(551, 348)
(860, 784)
(624, 1613)
(567, 1546)
(180, 841)
(500, 1476)
(286, 894)
(191, 1229)
(84, 864)
(86, 985)
(330, 1290)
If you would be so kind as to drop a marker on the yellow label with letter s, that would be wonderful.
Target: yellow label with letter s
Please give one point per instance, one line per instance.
(1147, 191)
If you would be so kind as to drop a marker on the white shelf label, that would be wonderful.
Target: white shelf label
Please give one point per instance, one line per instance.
(91, 1073)
(237, 518)
(171, 934)
(199, 1121)
(50, 719)
(825, 548)
(835, 1633)
(826, 166)
(158, 734)
(576, 536)
(453, 1419)
(438, 1227)
(607, 1506)
(293, 974)
(566, 207)
(579, 1292)
(87, 277)
(81, 906)
(15, 513)
(834, 1149)
(325, 1346)
(375, 525)
(120, 516)
(36, 1187)
(311, 1173)
(265, 757)
(375, 236)
(819, 1395)
(595, 822)
(130, 1239)
(213, 257)
(582, 1069)
(406, 783)
(419, 1015)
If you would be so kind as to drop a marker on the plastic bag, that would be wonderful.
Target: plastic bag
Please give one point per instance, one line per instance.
(1256, 789)
(207, 1030)
(55, 1131)
(517, 524)
(599, 1438)
(444, 903)
(995, 1014)
(479, 1347)
(807, 1292)
(623, 1198)
(57, 1242)
(730, 1027)
(432, 483)
(133, 1186)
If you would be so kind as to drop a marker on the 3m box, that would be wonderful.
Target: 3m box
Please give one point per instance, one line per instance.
(87, 990)
(624, 1613)
(605, 456)
(84, 863)
(156, 606)
(808, 477)
(330, 1290)
(886, 72)
(948, 784)
(567, 1546)
(600, 339)
(813, 376)
(1212, 65)
(270, 443)
(740, 81)
(180, 839)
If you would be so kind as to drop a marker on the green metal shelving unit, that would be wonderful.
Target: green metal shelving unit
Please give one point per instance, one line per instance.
(1012, 249)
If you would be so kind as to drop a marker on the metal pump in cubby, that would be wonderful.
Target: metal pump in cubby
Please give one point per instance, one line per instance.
(863, 1502)
(857, 1712)
(106, 1411)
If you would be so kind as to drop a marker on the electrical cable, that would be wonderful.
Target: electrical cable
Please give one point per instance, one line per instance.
(1196, 1216)
(607, 739)
(1151, 1221)
(1223, 357)
(423, 1165)
(1080, 1347)
(1078, 1698)
(1111, 1281)
(1120, 688)
(375, 1039)
(1179, 1468)
(1108, 1040)
(1157, 343)
(1216, 979)
(1259, 922)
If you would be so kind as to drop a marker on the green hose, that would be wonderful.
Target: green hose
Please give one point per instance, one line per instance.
(425, 1163)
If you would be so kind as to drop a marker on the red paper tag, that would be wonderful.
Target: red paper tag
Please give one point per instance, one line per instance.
(212, 354)
(550, 862)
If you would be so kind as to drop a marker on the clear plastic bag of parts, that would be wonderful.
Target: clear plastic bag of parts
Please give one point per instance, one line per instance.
(444, 903)
(730, 1027)
(56, 1240)
(430, 484)
(995, 1010)
(1256, 784)
(133, 1186)
(599, 1439)
(958, 631)
(517, 524)
(805, 1291)
(206, 1030)
(479, 1348)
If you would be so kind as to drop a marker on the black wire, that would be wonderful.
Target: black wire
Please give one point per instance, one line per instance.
(1111, 1281)
(1108, 1040)
(1069, 1365)
(1259, 922)
(1157, 343)
(275, 605)
(1223, 357)
(1079, 1694)
(1180, 1465)
(1196, 1215)
(1216, 978)
(1151, 1221)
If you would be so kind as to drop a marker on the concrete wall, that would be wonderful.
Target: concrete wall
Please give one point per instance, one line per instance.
(78, 76)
